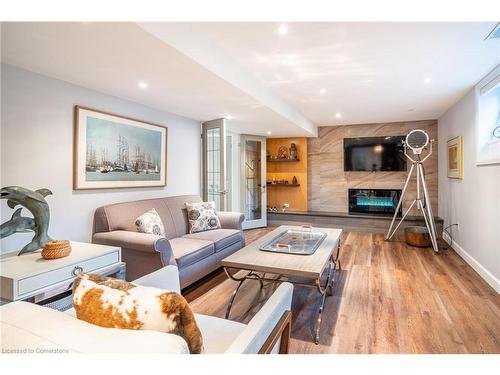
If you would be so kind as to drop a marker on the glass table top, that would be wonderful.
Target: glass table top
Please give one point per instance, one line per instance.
(301, 242)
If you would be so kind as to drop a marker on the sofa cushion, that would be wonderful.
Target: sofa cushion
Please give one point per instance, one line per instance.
(25, 325)
(218, 334)
(121, 216)
(221, 237)
(178, 212)
(190, 250)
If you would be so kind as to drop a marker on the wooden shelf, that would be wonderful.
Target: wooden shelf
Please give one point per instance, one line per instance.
(283, 185)
(285, 170)
(283, 160)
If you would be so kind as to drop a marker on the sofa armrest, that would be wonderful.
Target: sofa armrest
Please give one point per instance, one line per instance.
(165, 278)
(262, 327)
(231, 220)
(145, 242)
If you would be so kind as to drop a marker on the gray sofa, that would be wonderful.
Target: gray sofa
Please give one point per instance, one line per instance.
(195, 255)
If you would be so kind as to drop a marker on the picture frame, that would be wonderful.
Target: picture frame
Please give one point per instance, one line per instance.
(455, 157)
(111, 151)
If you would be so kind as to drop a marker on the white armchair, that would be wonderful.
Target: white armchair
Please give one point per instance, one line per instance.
(267, 332)
(25, 325)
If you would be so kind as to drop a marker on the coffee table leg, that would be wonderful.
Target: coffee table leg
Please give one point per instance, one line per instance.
(230, 305)
(333, 267)
(322, 290)
(336, 267)
(250, 275)
(318, 322)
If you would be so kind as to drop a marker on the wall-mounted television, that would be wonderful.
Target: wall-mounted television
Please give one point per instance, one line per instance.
(374, 154)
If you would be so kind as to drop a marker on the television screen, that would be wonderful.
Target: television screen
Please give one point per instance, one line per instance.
(374, 154)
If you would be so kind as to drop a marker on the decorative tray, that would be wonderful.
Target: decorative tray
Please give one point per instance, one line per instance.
(295, 241)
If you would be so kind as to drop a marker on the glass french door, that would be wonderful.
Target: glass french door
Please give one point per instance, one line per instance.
(253, 184)
(214, 162)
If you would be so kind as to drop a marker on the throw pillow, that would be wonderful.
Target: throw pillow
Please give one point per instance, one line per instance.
(114, 303)
(202, 217)
(150, 222)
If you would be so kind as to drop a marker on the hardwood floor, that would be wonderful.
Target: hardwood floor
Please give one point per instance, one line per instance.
(390, 298)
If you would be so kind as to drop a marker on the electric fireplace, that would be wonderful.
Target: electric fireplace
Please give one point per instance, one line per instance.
(374, 201)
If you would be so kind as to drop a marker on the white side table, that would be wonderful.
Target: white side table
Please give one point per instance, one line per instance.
(29, 277)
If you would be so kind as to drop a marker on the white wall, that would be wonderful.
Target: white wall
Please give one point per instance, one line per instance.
(37, 150)
(474, 202)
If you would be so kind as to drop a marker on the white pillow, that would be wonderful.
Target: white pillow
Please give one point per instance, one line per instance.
(202, 217)
(150, 222)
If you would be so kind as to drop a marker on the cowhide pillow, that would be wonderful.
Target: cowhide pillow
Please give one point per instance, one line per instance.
(202, 217)
(114, 303)
(150, 222)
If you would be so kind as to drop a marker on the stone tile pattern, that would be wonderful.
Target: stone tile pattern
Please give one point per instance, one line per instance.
(328, 184)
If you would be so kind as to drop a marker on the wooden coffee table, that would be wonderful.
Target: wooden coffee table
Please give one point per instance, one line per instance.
(258, 263)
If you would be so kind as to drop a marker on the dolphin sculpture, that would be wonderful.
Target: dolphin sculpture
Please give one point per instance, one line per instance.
(17, 223)
(35, 202)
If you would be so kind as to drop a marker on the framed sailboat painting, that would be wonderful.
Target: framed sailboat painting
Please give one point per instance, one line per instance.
(113, 151)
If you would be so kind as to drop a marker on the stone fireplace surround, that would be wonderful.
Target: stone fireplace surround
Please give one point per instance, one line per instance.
(328, 183)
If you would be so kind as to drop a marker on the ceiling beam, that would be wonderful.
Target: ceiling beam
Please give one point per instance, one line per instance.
(200, 48)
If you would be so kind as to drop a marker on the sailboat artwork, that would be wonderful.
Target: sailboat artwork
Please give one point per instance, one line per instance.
(114, 151)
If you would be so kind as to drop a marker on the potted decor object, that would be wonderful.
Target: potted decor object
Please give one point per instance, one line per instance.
(293, 152)
(282, 153)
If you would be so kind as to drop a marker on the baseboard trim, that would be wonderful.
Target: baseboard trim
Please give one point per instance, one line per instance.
(483, 272)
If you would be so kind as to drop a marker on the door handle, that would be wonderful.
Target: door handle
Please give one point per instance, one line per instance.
(222, 192)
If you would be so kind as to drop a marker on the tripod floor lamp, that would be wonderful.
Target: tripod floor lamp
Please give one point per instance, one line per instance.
(416, 141)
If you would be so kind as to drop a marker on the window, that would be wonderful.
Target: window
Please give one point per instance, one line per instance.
(488, 118)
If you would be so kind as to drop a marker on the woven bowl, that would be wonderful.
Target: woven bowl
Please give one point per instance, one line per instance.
(56, 249)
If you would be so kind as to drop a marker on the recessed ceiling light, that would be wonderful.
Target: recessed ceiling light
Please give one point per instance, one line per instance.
(322, 91)
(338, 115)
(269, 132)
(142, 85)
(427, 80)
(282, 29)
(229, 117)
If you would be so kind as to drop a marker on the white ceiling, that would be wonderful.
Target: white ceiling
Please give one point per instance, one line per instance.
(372, 72)
(113, 57)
